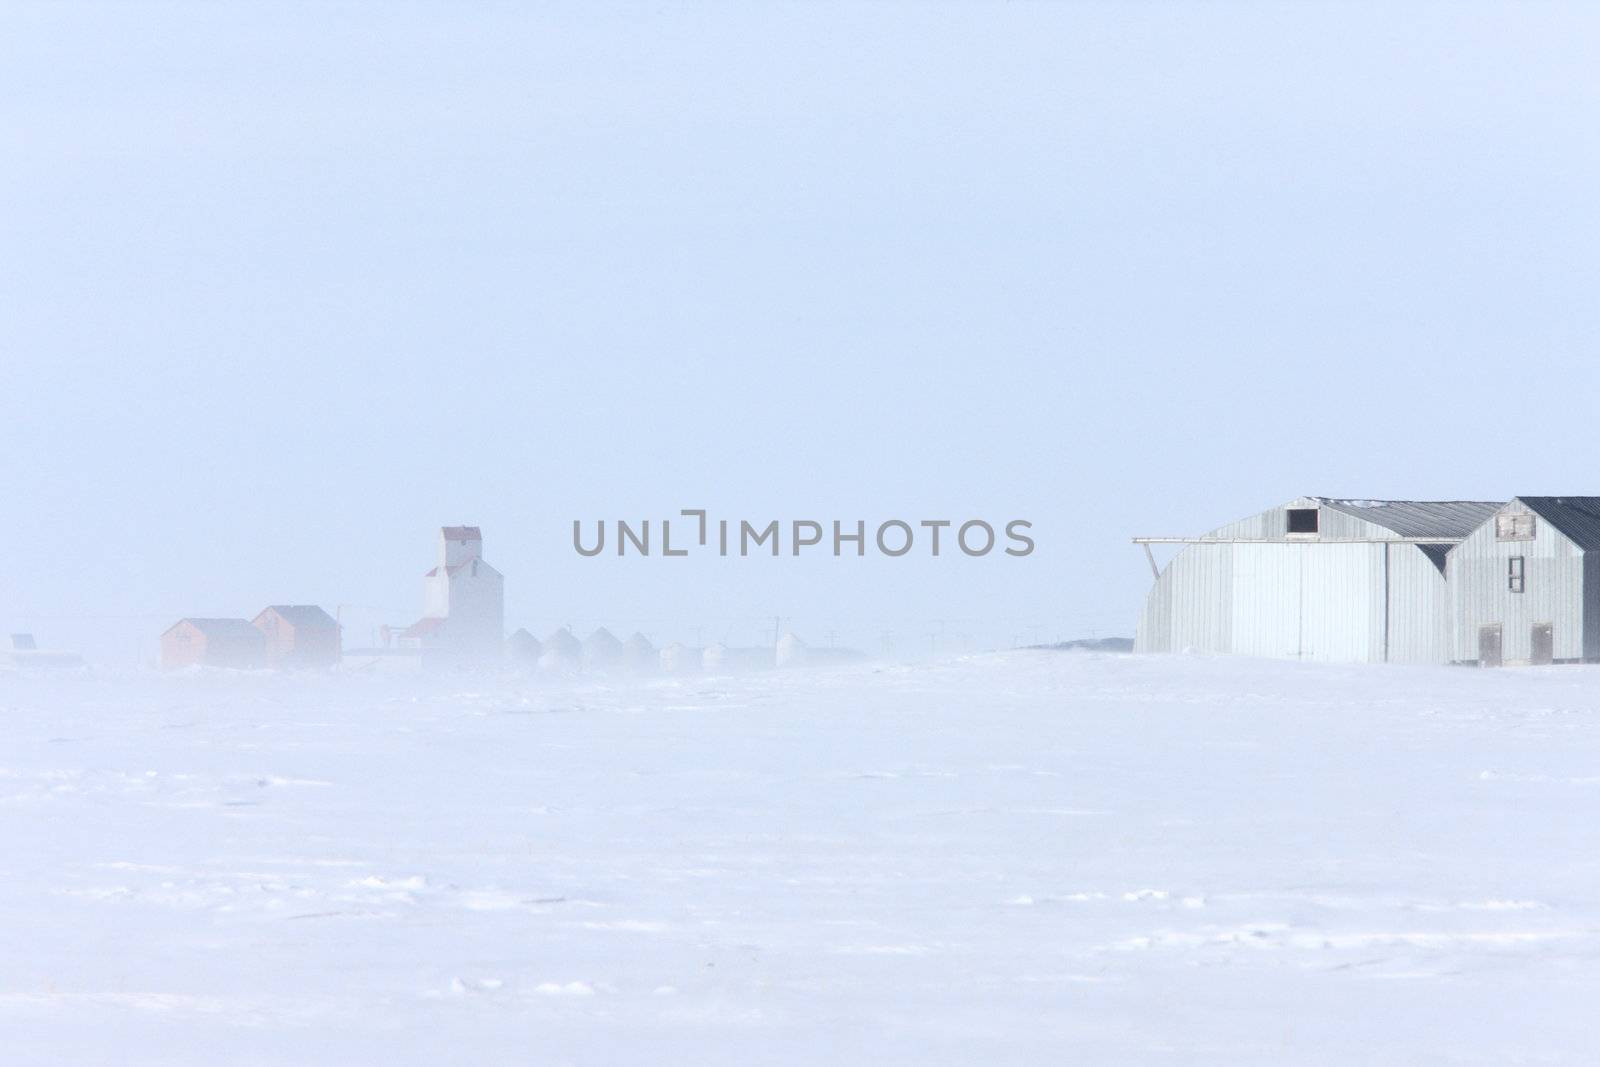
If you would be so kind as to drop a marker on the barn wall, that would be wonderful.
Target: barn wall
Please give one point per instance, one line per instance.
(1418, 609)
(476, 610)
(1591, 605)
(1480, 596)
(181, 646)
(1289, 598)
(1190, 605)
(1308, 600)
(1342, 602)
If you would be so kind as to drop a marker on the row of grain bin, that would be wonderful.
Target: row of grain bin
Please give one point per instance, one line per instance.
(602, 653)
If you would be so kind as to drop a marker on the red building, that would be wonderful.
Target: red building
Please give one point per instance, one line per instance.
(299, 635)
(213, 643)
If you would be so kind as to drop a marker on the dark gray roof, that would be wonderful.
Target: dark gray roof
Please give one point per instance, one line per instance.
(1436, 554)
(1419, 518)
(232, 629)
(1578, 517)
(297, 615)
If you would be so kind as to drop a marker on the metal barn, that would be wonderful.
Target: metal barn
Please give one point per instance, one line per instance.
(1317, 578)
(1525, 585)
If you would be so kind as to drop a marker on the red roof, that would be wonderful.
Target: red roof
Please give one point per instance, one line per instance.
(423, 627)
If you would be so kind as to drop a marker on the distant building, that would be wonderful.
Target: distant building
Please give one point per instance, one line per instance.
(299, 635)
(639, 655)
(791, 651)
(25, 652)
(796, 653)
(425, 633)
(524, 649)
(680, 659)
(721, 659)
(602, 652)
(562, 652)
(463, 601)
(213, 643)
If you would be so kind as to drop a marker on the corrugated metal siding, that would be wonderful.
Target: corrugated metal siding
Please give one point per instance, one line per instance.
(1419, 606)
(1287, 600)
(1304, 598)
(1265, 601)
(1480, 594)
(1201, 583)
(1420, 518)
(1591, 605)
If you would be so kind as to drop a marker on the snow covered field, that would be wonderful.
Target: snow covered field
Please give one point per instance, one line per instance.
(1024, 858)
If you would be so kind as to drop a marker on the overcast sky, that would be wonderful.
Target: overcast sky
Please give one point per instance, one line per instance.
(283, 289)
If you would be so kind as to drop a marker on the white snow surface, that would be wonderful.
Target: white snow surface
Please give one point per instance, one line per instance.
(1021, 858)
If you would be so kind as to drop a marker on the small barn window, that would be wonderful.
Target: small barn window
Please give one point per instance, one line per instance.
(1514, 526)
(1516, 571)
(1302, 520)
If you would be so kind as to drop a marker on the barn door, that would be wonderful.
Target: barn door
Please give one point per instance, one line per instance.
(1544, 644)
(1489, 646)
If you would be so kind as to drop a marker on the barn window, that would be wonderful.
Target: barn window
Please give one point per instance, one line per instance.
(1516, 571)
(1302, 520)
(1514, 526)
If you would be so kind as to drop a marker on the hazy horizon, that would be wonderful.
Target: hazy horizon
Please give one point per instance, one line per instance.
(289, 287)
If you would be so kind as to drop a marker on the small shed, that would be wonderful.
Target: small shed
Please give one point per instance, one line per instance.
(213, 643)
(299, 635)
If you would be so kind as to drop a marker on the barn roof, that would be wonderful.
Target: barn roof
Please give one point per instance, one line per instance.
(1578, 517)
(461, 533)
(309, 616)
(1419, 518)
(235, 629)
